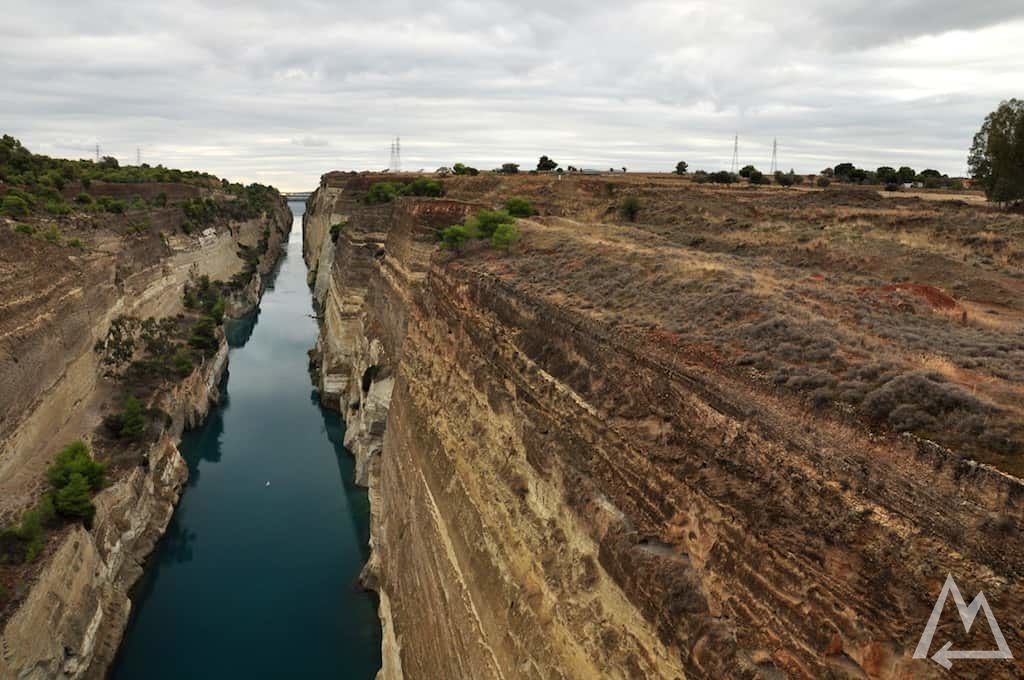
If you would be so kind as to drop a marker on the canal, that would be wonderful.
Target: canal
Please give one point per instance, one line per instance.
(257, 575)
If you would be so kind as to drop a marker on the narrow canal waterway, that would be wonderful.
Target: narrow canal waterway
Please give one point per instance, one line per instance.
(255, 580)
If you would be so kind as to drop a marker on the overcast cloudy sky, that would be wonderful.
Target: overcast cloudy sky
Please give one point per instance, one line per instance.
(282, 92)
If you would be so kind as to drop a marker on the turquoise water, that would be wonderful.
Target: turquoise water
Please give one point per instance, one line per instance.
(256, 581)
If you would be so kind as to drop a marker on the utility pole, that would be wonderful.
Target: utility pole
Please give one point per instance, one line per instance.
(775, 155)
(398, 154)
(735, 154)
(97, 152)
(138, 156)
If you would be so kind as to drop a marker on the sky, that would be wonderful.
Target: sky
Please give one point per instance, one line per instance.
(282, 92)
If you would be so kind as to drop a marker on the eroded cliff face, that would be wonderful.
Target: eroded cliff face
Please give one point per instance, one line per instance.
(71, 618)
(554, 495)
(72, 621)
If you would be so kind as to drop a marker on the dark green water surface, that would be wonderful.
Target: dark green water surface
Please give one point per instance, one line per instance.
(256, 581)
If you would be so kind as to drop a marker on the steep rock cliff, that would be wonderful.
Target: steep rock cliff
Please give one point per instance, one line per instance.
(69, 622)
(555, 494)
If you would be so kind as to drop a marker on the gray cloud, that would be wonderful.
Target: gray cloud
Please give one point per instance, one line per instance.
(260, 91)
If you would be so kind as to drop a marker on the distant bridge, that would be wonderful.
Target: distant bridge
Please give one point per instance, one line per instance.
(298, 195)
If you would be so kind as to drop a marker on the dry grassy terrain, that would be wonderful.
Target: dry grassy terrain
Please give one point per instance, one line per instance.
(899, 313)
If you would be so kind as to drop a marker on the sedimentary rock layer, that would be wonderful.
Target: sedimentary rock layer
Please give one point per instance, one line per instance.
(554, 495)
(70, 622)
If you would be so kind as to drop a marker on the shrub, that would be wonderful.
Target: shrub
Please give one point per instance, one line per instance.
(75, 499)
(681, 168)
(110, 205)
(823, 182)
(217, 311)
(133, 420)
(454, 238)
(461, 169)
(336, 230)
(519, 207)
(182, 362)
(75, 243)
(383, 192)
(630, 208)
(485, 222)
(74, 459)
(423, 186)
(748, 170)
(14, 206)
(722, 177)
(204, 335)
(24, 229)
(57, 207)
(52, 234)
(783, 179)
(161, 200)
(757, 177)
(504, 236)
(510, 168)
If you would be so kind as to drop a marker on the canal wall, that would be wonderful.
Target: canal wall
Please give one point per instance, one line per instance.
(71, 616)
(556, 495)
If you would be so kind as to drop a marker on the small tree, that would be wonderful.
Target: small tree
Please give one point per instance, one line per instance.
(996, 158)
(454, 238)
(462, 169)
(630, 208)
(133, 420)
(681, 167)
(519, 207)
(14, 206)
(504, 236)
(75, 459)
(545, 164)
(510, 168)
(783, 179)
(747, 170)
(905, 175)
(757, 177)
(75, 499)
(886, 174)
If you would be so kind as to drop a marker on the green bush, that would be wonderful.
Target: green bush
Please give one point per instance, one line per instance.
(83, 198)
(14, 206)
(182, 362)
(74, 459)
(722, 177)
(504, 236)
(52, 234)
(454, 238)
(423, 186)
(336, 230)
(630, 208)
(75, 499)
(110, 205)
(161, 200)
(57, 207)
(484, 223)
(462, 169)
(75, 243)
(383, 192)
(204, 335)
(133, 419)
(24, 229)
(519, 207)
(217, 311)
(757, 177)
